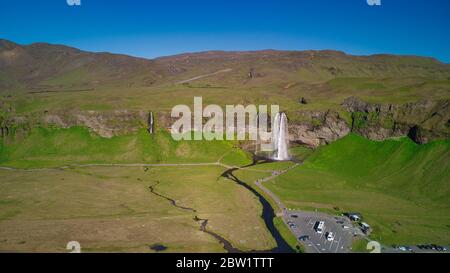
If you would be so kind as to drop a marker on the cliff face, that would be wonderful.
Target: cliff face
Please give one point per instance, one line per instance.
(105, 124)
(422, 121)
(319, 128)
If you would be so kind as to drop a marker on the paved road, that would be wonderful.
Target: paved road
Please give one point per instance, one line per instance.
(274, 197)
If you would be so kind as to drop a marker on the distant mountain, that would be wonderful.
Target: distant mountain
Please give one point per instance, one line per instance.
(47, 66)
(270, 65)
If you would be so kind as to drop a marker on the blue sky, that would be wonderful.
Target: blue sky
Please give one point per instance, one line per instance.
(157, 28)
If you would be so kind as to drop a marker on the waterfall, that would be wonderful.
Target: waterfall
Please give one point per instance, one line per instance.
(150, 123)
(280, 139)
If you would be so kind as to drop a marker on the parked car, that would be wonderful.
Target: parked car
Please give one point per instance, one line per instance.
(426, 247)
(439, 248)
(329, 236)
(404, 248)
(303, 238)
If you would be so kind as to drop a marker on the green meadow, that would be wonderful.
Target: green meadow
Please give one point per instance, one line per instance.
(52, 147)
(401, 188)
(111, 209)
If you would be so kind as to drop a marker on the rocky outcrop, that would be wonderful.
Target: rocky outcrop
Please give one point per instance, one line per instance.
(103, 123)
(318, 128)
(421, 121)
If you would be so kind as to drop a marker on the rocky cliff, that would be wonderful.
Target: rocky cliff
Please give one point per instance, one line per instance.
(103, 123)
(421, 121)
(318, 128)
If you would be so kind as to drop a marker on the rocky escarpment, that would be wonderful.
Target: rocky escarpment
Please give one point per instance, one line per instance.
(421, 121)
(103, 123)
(318, 128)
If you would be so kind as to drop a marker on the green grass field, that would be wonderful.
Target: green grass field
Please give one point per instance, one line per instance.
(111, 209)
(114, 203)
(401, 188)
(50, 147)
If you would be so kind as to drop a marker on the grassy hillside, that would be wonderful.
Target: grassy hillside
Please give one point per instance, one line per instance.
(402, 189)
(56, 147)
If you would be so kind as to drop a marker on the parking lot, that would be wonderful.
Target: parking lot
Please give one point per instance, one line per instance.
(317, 242)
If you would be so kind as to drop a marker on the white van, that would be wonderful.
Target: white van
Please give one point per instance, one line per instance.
(319, 226)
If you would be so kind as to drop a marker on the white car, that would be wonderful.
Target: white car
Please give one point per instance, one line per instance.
(329, 236)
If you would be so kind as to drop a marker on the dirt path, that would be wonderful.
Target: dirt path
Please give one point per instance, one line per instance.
(272, 195)
(205, 75)
(111, 165)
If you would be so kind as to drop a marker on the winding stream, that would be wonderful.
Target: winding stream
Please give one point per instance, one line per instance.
(173, 202)
(268, 214)
(204, 222)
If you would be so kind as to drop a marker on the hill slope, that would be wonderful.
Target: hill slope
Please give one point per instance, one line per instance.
(57, 66)
(42, 65)
(402, 189)
(53, 147)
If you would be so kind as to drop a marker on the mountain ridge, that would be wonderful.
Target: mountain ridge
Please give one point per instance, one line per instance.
(43, 65)
(202, 52)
